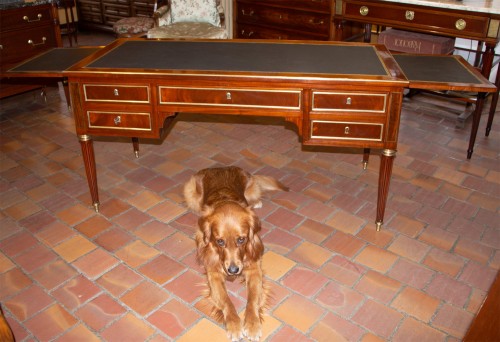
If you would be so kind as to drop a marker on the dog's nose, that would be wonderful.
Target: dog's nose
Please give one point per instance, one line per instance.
(233, 269)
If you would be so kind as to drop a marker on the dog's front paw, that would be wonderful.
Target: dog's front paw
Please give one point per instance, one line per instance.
(233, 327)
(257, 205)
(253, 328)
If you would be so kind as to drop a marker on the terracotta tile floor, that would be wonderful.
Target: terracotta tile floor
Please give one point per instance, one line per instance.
(129, 272)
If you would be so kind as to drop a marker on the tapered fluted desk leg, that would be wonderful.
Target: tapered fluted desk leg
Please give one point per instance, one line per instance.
(87, 146)
(386, 162)
(475, 123)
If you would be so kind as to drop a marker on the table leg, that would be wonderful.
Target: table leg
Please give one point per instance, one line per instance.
(90, 168)
(384, 179)
(494, 102)
(135, 144)
(475, 123)
(366, 157)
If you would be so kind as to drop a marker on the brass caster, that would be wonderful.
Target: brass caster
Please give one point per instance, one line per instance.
(96, 206)
(378, 225)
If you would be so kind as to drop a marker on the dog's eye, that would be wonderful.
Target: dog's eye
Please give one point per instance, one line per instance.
(241, 240)
(220, 242)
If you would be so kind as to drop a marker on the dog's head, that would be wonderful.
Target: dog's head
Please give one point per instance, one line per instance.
(228, 238)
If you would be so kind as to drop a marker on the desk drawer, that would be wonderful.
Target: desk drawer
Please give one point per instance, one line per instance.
(345, 130)
(323, 101)
(418, 18)
(282, 17)
(25, 18)
(116, 93)
(282, 99)
(19, 45)
(119, 120)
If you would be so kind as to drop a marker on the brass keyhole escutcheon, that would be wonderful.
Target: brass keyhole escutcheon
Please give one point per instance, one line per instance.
(460, 24)
(410, 15)
(228, 95)
(346, 130)
(116, 92)
(117, 120)
(348, 101)
(364, 10)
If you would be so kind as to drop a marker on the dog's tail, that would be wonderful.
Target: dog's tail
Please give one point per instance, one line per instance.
(266, 183)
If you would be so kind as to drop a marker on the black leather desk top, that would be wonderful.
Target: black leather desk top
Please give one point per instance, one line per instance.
(243, 57)
(55, 60)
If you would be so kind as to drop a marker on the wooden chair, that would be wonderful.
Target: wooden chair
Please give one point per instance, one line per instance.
(67, 20)
(171, 21)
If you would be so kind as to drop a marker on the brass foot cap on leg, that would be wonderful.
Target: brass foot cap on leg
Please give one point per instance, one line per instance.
(365, 164)
(378, 225)
(136, 154)
(96, 206)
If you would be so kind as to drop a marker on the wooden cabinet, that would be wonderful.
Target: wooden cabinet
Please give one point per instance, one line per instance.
(25, 32)
(296, 19)
(102, 14)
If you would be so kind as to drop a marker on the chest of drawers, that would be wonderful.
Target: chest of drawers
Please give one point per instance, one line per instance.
(24, 33)
(297, 19)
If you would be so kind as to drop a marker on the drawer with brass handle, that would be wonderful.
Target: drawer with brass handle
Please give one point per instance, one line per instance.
(340, 130)
(119, 120)
(328, 101)
(415, 17)
(117, 93)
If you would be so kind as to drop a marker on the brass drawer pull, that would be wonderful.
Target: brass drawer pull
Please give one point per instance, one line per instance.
(116, 92)
(316, 22)
(410, 15)
(460, 24)
(363, 10)
(117, 120)
(346, 130)
(39, 16)
(30, 42)
(249, 33)
(348, 101)
(228, 95)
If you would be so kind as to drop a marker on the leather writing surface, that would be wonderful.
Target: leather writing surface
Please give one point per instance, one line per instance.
(56, 60)
(444, 69)
(244, 57)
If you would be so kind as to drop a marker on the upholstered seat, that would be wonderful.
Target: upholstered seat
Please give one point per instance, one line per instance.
(132, 26)
(188, 31)
(186, 20)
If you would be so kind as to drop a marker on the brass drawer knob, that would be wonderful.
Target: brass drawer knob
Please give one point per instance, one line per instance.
(410, 15)
(117, 120)
(460, 24)
(364, 10)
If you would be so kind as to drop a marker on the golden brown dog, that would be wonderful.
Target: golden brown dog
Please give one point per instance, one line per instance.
(228, 244)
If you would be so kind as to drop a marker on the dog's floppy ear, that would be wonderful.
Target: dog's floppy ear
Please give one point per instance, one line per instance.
(254, 247)
(205, 232)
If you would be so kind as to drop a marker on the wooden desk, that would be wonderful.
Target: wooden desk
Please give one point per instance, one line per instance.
(470, 19)
(337, 94)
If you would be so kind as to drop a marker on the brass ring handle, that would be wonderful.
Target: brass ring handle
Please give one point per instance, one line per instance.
(460, 24)
(30, 42)
(117, 120)
(364, 10)
(39, 16)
